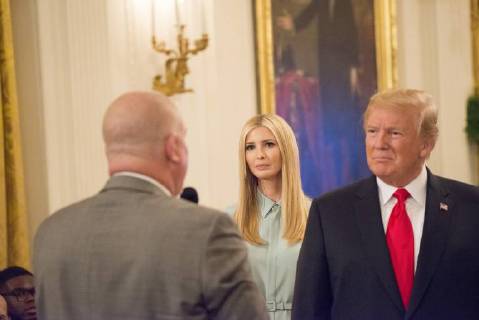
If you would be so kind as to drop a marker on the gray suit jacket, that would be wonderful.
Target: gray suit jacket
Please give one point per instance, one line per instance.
(132, 252)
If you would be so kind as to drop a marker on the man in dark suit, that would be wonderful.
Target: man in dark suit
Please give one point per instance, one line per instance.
(133, 251)
(338, 131)
(402, 244)
(338, 48)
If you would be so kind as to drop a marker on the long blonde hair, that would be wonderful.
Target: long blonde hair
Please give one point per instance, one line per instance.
(293, 201)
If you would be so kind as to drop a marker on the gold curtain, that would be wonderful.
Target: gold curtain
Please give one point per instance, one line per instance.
(14, 237)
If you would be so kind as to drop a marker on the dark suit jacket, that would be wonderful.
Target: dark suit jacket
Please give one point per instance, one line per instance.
(338, 49)
(344, 270)
(132, 252)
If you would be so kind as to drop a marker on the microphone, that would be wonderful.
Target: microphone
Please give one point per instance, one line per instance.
(189, 194)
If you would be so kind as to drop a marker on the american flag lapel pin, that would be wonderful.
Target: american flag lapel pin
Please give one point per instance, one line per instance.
(443, 206)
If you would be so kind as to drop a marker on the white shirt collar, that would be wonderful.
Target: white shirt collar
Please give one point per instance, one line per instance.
(143, 177)
(416, 188)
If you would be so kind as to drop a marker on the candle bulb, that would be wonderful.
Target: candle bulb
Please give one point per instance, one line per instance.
(177, 11)
(153, 18)
(203, 16)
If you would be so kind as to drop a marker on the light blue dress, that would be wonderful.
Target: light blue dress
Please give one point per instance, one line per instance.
(274, 264)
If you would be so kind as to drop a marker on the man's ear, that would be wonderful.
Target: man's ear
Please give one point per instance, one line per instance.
(172, 150)
(426, 148)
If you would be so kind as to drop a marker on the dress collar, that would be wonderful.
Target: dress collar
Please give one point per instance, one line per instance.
(266, 204)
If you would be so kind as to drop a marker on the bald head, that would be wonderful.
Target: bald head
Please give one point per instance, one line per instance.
(136, 120)
(139, 130)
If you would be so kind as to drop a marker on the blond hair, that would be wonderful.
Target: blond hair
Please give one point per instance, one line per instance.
(417, 100)
(293, 200)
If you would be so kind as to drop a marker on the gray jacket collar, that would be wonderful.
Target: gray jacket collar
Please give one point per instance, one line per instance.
(132, 183)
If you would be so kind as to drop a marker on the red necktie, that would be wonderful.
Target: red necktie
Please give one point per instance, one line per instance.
(400, 240)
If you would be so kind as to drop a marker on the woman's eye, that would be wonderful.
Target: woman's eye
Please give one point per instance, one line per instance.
(270, 144)
(249, 147)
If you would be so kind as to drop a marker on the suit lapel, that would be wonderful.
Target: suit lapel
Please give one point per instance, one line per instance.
(368, 214)
(439, 209)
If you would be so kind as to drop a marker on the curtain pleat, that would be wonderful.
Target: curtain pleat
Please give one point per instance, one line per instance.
(14, 236)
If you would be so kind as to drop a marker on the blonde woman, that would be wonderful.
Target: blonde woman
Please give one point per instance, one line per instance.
(272, 209)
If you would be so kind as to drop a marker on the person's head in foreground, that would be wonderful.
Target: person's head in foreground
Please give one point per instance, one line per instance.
(17, 287)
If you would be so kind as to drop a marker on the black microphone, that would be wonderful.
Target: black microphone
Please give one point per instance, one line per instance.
(190, 194)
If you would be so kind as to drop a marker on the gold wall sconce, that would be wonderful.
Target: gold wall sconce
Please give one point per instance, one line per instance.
(176, 65)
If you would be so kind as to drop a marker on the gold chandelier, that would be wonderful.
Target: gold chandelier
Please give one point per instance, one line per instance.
(176, 65)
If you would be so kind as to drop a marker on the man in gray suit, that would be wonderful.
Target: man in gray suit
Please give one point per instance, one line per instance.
(133, 251)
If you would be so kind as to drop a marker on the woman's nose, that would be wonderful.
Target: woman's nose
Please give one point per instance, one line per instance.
(260, 154)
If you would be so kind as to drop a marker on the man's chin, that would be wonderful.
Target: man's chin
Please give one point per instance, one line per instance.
(380, 170)
(30, 314)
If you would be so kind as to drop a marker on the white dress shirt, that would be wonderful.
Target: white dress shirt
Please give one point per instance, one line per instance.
(415, 206)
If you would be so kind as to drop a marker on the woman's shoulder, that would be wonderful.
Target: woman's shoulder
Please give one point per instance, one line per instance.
(231, 209)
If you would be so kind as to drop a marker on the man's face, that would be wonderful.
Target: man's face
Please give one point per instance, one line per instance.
(20, 295)
(3, 309)
(395, 151)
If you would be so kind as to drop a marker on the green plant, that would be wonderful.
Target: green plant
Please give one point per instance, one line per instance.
(472, 128)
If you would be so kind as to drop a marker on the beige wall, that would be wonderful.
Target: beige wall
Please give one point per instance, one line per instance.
(434, 53)
(74, 57)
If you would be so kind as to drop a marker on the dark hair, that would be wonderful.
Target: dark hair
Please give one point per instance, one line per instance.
(13, 272)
